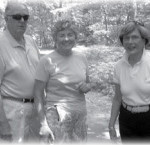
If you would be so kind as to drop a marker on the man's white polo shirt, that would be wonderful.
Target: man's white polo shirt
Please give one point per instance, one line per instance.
(17, 66)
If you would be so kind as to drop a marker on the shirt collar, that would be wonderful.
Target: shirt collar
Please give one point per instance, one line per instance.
(13, 42)
(125, 57)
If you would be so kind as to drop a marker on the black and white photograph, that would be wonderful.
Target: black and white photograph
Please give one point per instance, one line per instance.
(74, 72)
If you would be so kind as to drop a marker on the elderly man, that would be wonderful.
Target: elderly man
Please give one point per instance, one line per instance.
(18, 60)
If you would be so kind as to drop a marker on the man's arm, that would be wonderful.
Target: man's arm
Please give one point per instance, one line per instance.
(5, 129)
(38, 96)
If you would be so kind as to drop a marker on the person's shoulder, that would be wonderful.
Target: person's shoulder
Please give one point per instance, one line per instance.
(47, 55)
(79, 54)
(43, 60)
(146, 58)
(3, 40)
(47, 59)
(1, 33)
(28, 37)
(146, 55)
(147, 52)
(120, 62)
(2, 36)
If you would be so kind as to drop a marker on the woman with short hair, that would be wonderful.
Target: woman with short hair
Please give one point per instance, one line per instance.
(63, 74)
(132, 86)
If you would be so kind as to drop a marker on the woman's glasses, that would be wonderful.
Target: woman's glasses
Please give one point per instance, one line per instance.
(136, 22)
(19, 17)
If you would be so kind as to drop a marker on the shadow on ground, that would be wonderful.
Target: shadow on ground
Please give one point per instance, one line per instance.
(98, 110)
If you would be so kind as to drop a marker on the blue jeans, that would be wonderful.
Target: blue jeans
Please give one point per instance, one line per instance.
(134, 127)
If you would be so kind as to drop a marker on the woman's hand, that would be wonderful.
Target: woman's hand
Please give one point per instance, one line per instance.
(112, 133)
(84, 87)
(46, 134)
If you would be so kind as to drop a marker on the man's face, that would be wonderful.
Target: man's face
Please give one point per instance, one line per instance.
(133, 42)
(17, 19)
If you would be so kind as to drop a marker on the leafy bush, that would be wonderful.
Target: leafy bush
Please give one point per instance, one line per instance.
(102, 60)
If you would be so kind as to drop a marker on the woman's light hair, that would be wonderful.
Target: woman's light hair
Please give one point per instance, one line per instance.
(63, 25)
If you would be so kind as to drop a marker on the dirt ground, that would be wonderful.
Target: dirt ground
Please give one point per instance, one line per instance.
(98, 108)
(98, 114)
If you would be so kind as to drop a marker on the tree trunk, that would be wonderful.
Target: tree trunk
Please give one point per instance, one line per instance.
(135, 8)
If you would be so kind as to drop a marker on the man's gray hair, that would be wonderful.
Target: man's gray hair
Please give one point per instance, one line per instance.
(12, 4)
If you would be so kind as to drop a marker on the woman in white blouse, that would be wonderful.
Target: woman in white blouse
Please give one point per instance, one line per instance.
(132, 86)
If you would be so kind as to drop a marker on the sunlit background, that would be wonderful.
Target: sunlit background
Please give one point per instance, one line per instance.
(74, 2)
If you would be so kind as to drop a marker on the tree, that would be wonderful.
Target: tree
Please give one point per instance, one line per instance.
(41, 23)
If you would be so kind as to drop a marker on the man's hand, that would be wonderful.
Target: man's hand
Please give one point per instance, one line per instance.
(46, 134)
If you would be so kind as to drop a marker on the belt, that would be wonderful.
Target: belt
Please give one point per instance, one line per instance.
(24, 100)
(136, 109)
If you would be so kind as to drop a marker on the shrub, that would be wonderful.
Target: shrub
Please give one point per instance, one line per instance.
(102, 60)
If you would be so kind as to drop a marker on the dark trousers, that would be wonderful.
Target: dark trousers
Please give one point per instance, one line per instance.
(134, 127)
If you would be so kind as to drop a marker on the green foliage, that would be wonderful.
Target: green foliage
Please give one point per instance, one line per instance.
(40, 23)
(98, 21)
(101, 65)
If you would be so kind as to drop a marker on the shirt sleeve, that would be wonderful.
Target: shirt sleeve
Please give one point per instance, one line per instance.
(87, 68)
(2, 68)
(34, 45)
(4, 125)
(42, 71)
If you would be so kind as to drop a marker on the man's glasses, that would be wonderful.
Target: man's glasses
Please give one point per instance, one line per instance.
(19, 17)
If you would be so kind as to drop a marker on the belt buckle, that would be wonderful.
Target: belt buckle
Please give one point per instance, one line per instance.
(136, 109)
(129, 108)
(141, 109)
(23, 100)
